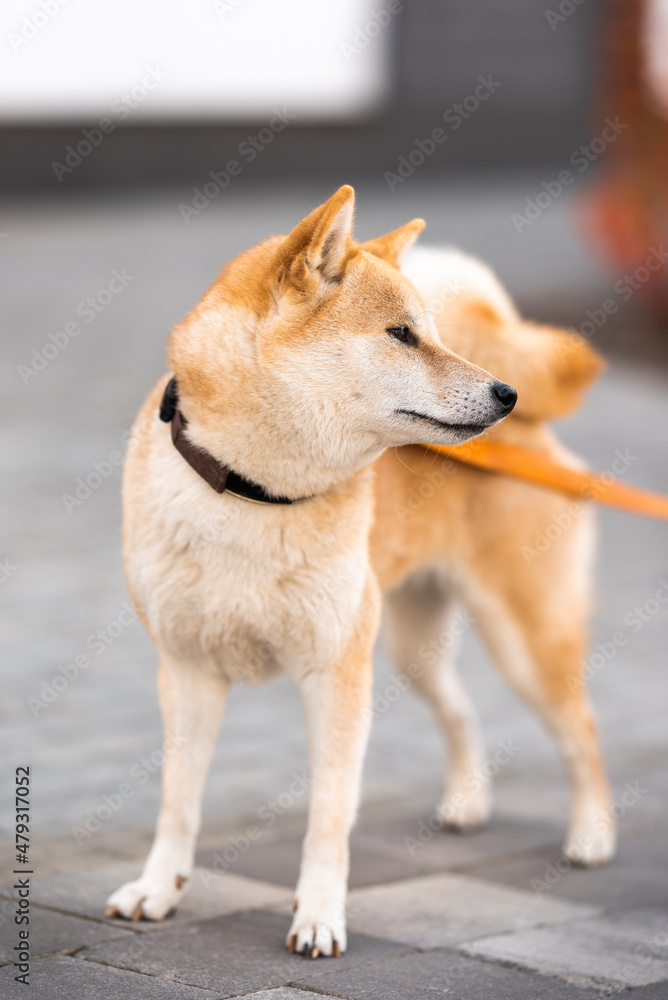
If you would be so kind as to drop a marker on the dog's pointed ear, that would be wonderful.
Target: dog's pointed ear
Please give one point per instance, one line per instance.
(394, 245)
(318, 248)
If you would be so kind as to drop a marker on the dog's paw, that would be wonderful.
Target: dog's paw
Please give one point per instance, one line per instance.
(313, 934)
(466, 810)
(146, 899)
(591, 847)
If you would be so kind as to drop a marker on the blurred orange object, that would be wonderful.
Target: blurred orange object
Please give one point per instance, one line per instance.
(626, 214)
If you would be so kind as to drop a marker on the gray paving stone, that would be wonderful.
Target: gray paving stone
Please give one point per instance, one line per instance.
(621, 949)
(235, 955)
(439, 910)
(372, 860)
(57, 977)
(209, 894)
(443, 974)
(657, 991)
(283, 993)
(414, 843)
(390, 843)
(637, 874)
(52, 932)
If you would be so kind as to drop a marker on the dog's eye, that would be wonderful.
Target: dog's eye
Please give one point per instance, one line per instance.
(403, 333)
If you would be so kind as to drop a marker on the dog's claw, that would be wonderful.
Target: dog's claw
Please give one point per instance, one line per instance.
(112, 911)
(293, 944)
(315, 951)
(336, 951)
(137, 913)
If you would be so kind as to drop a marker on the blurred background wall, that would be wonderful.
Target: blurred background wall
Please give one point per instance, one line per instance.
(121, 97)
(362, 78)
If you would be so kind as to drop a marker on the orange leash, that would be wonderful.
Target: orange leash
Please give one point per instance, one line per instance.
(534, 467)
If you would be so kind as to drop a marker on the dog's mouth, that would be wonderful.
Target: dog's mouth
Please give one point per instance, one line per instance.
(467, 430)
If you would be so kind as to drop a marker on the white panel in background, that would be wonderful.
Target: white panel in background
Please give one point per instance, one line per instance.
(220, 60)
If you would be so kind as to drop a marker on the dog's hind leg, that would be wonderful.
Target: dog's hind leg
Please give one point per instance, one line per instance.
(423, 626)
(192, 702)
(534, 627)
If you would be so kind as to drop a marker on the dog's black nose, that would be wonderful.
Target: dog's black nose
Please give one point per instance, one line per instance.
(505, 394)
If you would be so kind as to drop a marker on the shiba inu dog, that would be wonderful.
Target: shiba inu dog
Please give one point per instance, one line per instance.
(261, 528)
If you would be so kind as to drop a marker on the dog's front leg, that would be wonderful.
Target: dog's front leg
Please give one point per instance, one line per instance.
(337, 703)
(192, 702)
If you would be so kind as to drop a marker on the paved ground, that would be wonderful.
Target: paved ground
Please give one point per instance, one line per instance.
(493, 915)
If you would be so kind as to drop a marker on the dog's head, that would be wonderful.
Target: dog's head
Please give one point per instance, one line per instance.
(316, 353)
(551, 368)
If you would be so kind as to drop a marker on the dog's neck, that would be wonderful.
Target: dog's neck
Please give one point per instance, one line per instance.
(282, 478)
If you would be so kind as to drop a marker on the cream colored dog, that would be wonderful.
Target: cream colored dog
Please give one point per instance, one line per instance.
(308, 359)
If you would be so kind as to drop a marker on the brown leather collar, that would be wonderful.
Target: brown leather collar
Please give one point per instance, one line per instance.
(204, 464)
(218, 476)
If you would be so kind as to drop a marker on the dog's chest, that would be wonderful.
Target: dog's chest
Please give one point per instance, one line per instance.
(252, 590)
